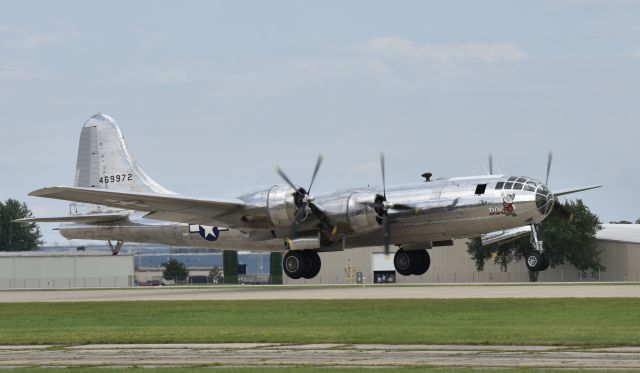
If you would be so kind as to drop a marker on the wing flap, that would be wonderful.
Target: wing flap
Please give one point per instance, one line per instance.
(161, 207)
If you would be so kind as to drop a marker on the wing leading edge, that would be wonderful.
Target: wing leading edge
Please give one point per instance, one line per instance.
(160, 207)
(85, 219)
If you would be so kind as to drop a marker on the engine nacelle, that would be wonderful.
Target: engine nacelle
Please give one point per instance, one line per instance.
(362, 218)
(281, 207)
(270, 208)
(304, 243)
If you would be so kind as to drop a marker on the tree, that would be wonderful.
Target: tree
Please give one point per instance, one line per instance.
(215, 275)
(17, 236)
(275, 267)
(565, 241)
(621, 222)
(638, 221)
(230, 266)
(175, 270)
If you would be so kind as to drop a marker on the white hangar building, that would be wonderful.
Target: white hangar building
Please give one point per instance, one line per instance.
(49, 270)
(619, 245)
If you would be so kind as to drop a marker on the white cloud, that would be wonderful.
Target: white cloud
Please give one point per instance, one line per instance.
(399, 48)
(162, 77)
(38, 40)
(22, 39)
(22, 73)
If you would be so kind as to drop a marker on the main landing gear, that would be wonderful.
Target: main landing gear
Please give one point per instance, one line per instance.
(414, 262)
(301, 263)
(536, 260)
(115, 249)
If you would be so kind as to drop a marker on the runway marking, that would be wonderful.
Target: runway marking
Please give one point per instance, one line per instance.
(330, 355)
(249, 292)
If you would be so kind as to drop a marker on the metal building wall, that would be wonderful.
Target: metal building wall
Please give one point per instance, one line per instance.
(454, 265)
(26, 270)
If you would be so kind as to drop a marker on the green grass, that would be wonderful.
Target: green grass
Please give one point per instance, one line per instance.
(296, 369)
(571, 322)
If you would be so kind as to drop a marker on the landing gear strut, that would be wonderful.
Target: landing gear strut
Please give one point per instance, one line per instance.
(414, 262)
(115, 249)
(536, 260)
(301, 263)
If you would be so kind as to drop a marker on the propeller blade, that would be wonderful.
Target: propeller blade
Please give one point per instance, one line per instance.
(320, 215)
(386, 233)
(384, 183)
(315, 172)
(297, 222)
(373, 205)
(400, 206)
(284, 176)
(490, 164)
(546, 182)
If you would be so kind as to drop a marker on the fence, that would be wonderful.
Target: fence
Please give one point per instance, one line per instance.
(559, 275)
(66, 283)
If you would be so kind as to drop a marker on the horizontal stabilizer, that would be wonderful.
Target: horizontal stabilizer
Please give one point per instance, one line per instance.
(163, 207)
(575, 190)
(85, 219)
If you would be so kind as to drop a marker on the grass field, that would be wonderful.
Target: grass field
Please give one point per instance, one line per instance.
(575, 322)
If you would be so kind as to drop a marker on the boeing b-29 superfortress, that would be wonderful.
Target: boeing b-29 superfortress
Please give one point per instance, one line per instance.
(113, 199)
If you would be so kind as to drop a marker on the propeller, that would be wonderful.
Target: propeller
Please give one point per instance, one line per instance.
(558, 208)
(546, 181)
(382, 207)
(303, 200)
(490, 164)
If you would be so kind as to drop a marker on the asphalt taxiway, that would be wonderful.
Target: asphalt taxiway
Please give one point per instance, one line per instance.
(250, 292)
(328, 355)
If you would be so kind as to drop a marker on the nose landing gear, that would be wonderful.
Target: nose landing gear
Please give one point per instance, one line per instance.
(536, 260)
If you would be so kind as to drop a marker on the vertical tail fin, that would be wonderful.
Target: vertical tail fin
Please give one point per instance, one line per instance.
(104, 162)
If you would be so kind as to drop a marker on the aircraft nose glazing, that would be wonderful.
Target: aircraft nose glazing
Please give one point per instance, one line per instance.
(544, 199)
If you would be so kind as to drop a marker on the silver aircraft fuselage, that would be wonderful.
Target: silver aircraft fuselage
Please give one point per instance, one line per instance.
(445, 209)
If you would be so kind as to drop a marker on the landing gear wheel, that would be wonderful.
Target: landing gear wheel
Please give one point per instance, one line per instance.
(545, 263)
(402, 260)
(295, 264)
(422, 262)
(314, 264)
(534, 261)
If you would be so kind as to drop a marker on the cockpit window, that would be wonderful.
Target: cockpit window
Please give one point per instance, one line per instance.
(521, 179)
(500, 185)
(508, 185)
(542, 190)
(518, 186)
(529, 188)
(481, 188)
(512, 178)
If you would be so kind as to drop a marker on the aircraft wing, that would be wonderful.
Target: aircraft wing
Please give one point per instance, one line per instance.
(575, 190)
(87, 219)
(160, 207)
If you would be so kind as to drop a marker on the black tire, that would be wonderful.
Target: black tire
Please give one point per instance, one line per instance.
(314, 264)
(545, 263)
(295, 264)
(402, 261)
(534, 261)
(423, 261)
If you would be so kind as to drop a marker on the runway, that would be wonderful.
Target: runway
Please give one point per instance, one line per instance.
(327, 355)
(253, 292)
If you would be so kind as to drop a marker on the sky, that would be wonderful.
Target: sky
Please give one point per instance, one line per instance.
(211, 96)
